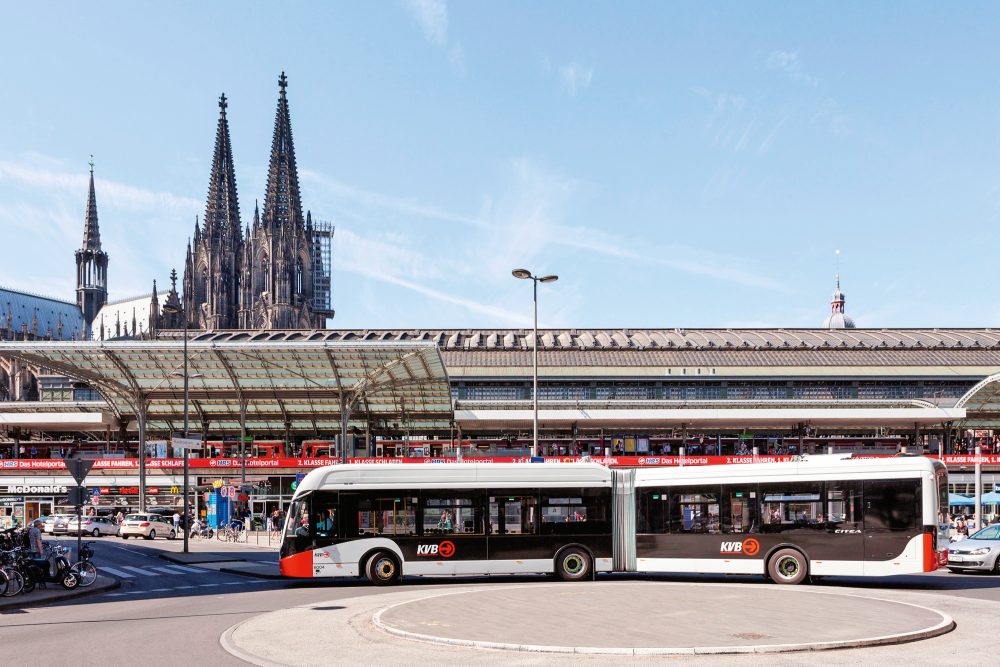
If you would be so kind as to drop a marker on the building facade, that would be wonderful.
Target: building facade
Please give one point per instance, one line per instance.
(263, 277)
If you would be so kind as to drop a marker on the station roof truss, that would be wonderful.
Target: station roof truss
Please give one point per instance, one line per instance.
(302, 385)
(982, 404)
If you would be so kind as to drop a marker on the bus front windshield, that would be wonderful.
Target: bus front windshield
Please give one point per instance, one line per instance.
(297, 524)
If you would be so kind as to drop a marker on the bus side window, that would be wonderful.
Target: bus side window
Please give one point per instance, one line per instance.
(512, 514)
(843, 506)
(694, 510)
(324, 514)
(794, 506)
(892, 504)
(740, 509)
(652, 515)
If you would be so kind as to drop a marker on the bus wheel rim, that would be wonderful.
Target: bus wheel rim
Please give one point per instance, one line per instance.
(573, 564)
(788, 567)
(385, 568)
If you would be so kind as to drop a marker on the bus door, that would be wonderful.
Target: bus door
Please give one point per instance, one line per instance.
(891, 517)
(453, 531)
(844, 521)
(513, 526)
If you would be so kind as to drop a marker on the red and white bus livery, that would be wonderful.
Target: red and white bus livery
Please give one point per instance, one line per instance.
(814, 516)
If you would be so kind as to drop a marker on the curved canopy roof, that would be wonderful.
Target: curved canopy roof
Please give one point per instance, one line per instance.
(982, 404)
(305, 386)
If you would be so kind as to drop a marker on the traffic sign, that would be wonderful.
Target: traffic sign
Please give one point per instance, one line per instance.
(187, 443)
(79, 468)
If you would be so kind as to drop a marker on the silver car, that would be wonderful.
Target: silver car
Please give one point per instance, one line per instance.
(95, 526)
(979, 551)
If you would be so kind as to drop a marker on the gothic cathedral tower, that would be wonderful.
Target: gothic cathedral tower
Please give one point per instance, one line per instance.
(279, 253)
(213, 267)
(91, 264)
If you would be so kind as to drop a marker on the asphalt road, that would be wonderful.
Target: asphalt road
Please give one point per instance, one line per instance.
(166, 614)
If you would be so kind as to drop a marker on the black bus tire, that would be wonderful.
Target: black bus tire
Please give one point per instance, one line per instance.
(574, 564)
(383, 569)
(788, 566)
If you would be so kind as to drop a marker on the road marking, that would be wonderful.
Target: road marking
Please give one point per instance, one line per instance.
(207, 585)
(163, 570)
(181, 588)
(140, 571)
(115, 572)
(158, 590)
(184, 570)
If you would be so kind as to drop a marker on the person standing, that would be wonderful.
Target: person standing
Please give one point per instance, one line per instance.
(177, 521)
(35, 544)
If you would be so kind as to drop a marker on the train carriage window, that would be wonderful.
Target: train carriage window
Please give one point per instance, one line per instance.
(792, 506)
(694, 510)
(651, 513)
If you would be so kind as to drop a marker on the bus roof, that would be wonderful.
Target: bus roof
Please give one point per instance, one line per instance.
(444, 475)
(809, 467)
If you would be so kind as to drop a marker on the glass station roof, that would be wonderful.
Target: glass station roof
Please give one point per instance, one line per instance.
(302, 384)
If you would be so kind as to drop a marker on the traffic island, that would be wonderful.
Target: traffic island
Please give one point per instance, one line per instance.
(56, 593)
(625, 618)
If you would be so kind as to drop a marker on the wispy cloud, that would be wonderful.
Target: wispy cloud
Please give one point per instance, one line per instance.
(117, 194)
(432, 17)
(788, 62)
(765, 145)
(575, 77)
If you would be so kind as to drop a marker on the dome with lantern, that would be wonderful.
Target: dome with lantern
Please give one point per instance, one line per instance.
(838, 319)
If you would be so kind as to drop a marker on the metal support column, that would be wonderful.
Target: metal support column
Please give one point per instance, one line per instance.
(979, 487)
(142, 452)
(345, 420)
(243, 444)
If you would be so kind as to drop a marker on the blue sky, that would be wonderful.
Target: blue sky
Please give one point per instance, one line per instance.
(676, 165)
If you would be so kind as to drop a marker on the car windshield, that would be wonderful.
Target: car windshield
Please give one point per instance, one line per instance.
(987, 533)
(136, 517)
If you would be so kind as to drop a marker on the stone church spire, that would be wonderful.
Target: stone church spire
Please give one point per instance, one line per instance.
(282, 203)
(222, 210)
(91, 263)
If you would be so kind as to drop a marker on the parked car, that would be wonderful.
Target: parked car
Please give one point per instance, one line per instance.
(147, 526)
(58, 524)
(95, 526)
(978, 552)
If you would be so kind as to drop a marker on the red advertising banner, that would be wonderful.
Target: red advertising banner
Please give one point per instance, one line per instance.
(264, 463)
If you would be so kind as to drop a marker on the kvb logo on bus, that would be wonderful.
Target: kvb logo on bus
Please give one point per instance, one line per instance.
(444, 549)
(748, 547)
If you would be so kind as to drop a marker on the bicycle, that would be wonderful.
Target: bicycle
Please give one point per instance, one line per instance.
(83, 568)
(13, 580)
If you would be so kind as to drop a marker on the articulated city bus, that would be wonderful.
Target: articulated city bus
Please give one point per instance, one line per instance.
(788, 521)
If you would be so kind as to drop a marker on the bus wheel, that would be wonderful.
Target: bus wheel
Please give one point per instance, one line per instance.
(788, 566)
(573, 564)
(383, 569)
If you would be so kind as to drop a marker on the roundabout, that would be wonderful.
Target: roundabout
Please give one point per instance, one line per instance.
(607, 618)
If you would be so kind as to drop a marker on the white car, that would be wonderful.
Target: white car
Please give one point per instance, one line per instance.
(56, 524)
(147, 526)
(95, 526)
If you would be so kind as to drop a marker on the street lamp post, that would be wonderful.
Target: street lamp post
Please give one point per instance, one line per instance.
(180, 310)
(525, 274)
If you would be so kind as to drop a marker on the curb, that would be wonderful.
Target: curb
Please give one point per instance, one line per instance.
(944, 626)
(233, 649)
(255, 575)
(60, 597)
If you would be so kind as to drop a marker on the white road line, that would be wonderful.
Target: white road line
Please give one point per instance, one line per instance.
(158, 590)
(181, 588)
(140, 571)
(111, 595)
(185, 570)
(164, 570)
(115, 572)
(207, 585)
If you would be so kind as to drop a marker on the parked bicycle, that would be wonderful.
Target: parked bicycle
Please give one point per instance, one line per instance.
(83, 568)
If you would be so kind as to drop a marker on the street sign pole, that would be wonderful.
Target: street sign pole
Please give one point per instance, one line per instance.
(79, 468)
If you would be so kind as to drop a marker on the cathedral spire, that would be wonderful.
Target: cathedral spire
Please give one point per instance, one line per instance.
(222, 210)
(282, 204)
(91, 230)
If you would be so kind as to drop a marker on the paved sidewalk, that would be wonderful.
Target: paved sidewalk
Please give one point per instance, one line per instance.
(519, 624)
(56, 593)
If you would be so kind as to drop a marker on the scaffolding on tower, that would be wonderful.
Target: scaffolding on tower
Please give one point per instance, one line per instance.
(322, 268)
